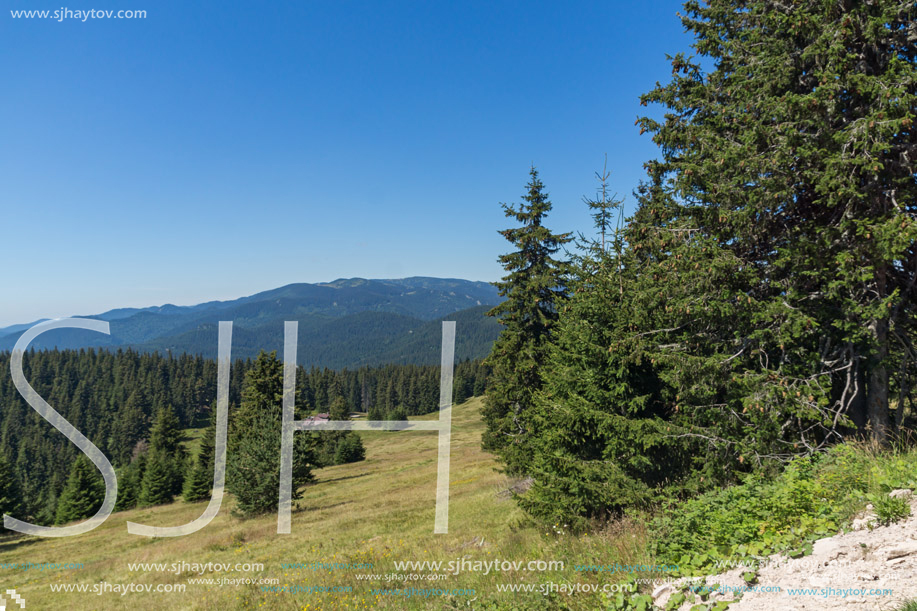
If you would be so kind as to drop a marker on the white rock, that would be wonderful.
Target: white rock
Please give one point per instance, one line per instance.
(905, 549)
(863, 523)
(901, 493)
(662, 593)
(826, 550)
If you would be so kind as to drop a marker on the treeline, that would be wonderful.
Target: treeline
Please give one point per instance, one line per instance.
(760, 302)
(134, 406)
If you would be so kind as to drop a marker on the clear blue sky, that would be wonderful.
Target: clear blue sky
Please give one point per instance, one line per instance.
(216, 149)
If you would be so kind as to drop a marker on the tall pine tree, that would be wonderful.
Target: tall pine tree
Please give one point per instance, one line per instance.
(82, 494)
(199, 482)
(533, 287)
(796, 153)
(10, 493)
(163, 477)
(253, 464)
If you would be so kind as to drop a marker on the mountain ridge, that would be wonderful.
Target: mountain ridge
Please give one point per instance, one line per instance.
(344, 323)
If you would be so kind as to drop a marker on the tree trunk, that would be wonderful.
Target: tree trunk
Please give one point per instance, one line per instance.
(877, 399)
(877, 391)
(857, 405)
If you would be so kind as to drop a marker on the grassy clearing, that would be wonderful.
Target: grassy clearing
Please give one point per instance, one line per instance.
(377, 511)
(381, 510)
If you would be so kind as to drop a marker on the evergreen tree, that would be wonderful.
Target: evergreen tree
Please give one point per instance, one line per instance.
(796, 153)
(375, 413)
(129, 484)
(350, 449)
(601, 436)
(338, 447)
(253, 464)
(199, 482)
(129, 428)
(749, 314)
(397, 414)
(533, 287)
(461, 388)
(158, 483)
(10, 493)
(83, 493)
(169, 458)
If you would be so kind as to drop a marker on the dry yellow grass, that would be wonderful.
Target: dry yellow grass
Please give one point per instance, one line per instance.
(378, 511)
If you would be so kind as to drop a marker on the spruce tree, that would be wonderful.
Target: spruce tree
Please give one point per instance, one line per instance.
(534, 286)
(796, 153)
(82, 494)
(750, 312)
(163, 478)
(253, 463)
(199, 482)
(10, 493)
(158, 483)
(129, 484)
(349, 449)
(375, 413)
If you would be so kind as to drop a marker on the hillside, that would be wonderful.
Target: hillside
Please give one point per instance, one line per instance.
(345, 323)
(379, 511)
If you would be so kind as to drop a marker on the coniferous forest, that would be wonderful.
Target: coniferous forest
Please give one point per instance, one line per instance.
(759, 303)
(135, 406)
(694, 390)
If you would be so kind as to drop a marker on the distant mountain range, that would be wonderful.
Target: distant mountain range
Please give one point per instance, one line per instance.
(345, 323)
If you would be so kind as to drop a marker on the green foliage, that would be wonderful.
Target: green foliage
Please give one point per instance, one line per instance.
(83, 493)
(200, 480)
(755, 518)
(253, 463)
(165, 465)
(790, 155)
(397, 413)
(890, 510)
(534, 288)
(157, 485)
(629, 602)
(339, 447)
(811, 499)
(113, 398)
(130, 480)
(759, 304)
(10, 494)
(165, 440)
(349, 449)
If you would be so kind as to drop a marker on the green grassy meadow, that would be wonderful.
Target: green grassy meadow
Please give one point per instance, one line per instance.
(377, 511)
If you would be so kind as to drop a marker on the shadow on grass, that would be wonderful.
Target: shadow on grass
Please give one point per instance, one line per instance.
(305, 508)
(337, 479)
(11, 542)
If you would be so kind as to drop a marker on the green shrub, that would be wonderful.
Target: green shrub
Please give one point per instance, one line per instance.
(349, 449)
(812, 498)
(890, 510)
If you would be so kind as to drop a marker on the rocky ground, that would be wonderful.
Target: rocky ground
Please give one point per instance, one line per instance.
(838, 574)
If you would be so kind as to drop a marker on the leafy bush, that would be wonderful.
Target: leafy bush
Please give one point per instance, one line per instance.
(889, 510)
(812, 498)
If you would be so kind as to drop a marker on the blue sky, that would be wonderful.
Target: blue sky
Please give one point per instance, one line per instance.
(216, 149)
